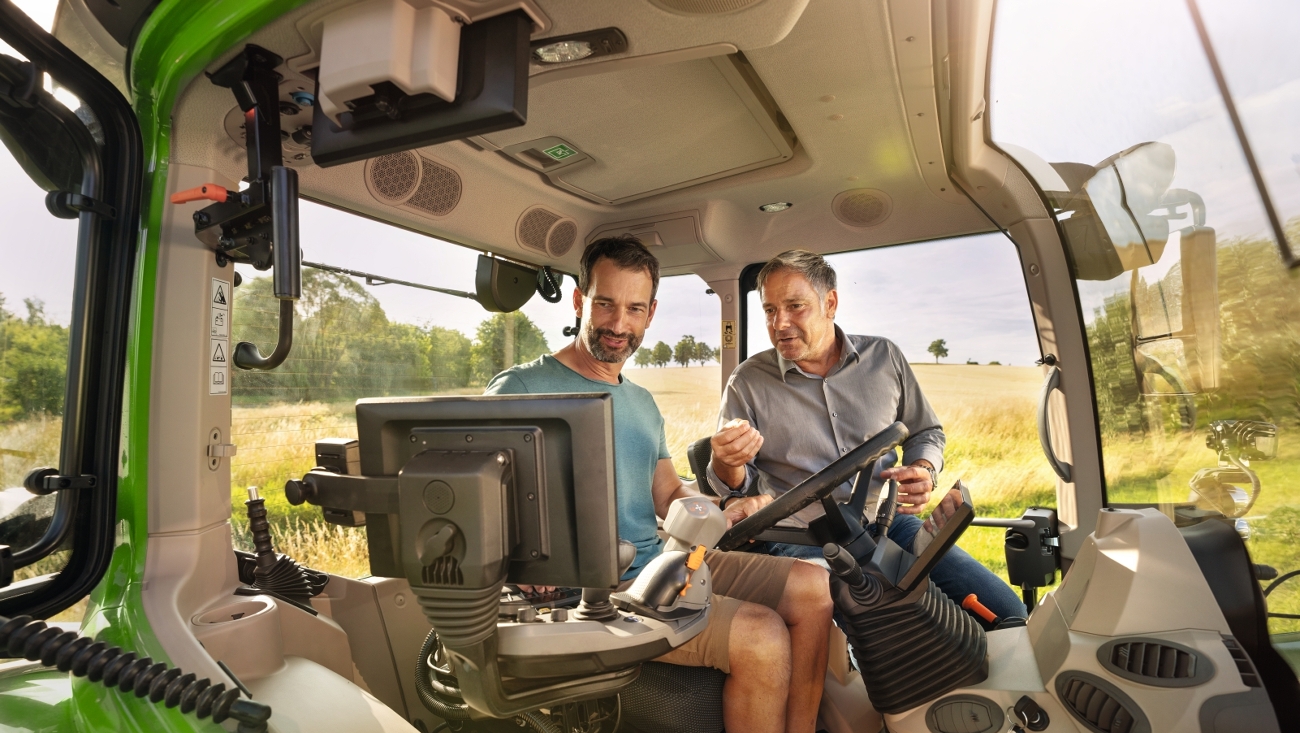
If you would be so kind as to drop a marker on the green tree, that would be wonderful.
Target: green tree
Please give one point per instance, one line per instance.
(704, 353)
(33, 363)
(643, 357)
(661, 354)
(939, 348)
(449, 358)
(502, 341)
(684, 352)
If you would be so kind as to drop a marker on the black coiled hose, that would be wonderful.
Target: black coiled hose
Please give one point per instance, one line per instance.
(548, 285)
(68, 651)
(442, 697)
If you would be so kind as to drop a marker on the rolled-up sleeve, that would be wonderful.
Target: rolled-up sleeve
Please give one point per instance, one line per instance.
(734, 405)
(926, 439)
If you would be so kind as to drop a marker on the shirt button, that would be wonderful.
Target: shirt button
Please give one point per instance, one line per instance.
(844, 450)
(835, 414)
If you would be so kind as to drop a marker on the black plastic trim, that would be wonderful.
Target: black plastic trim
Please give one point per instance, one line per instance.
(101, 303)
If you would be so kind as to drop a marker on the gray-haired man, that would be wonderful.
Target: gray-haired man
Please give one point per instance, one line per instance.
(789, 411)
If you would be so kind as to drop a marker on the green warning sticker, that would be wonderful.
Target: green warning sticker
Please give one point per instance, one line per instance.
(560, 152)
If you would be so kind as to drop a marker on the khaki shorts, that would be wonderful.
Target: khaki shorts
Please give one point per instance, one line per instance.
(738, 577)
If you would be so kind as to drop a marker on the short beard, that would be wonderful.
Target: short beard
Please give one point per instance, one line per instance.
(591, 337)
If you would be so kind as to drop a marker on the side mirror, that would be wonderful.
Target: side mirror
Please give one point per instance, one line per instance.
(1126, 191)
(1200, 270)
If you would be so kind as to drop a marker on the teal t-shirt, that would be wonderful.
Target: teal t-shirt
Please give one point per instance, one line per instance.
(639, 442)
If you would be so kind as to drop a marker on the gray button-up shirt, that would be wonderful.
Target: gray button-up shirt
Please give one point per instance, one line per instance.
(808, 421)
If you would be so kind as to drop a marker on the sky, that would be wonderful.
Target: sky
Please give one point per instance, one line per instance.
(1067, 85)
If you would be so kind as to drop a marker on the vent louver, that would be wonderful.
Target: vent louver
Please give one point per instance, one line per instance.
(1249, 677)
(1100, 706)
(1155, 662)
(543, 230)
(444, 571)
(408, 180)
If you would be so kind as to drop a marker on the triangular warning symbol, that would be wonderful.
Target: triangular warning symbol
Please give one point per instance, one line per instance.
(220, 297)
(219, 354)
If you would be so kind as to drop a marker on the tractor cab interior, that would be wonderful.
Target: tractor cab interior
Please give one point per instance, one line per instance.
(273, 464)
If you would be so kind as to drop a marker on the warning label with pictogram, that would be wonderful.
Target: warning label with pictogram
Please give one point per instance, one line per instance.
(219, 338)
(728, 334)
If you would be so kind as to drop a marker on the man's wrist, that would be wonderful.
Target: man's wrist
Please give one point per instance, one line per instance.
(929, 467)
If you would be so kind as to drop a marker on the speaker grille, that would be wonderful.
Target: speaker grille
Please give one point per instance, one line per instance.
(534, 226)
(705, 7)
(861, 207)
(393, 178)
(561, 239)
(1101, 707)
(439, 189)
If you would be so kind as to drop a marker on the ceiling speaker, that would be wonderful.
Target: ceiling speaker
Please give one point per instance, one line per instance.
(411, 181)
(543, 230)
(705, 7)
(862, 207)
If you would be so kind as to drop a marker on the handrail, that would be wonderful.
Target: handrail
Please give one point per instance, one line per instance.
(1051, 384)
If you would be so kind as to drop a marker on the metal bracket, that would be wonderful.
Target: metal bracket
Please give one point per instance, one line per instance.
(67, 205)
(58, 483)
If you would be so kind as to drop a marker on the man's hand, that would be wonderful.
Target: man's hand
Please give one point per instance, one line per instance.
(738, 509)
(914, 486)
(733, 446)
(943, 511)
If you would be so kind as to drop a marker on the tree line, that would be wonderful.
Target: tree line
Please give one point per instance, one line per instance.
(687, 350)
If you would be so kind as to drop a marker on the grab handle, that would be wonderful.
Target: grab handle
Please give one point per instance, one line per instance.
(286, 277)
(1052, 383)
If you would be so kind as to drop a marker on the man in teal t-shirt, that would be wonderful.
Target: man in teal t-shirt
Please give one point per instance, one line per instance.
(769, 616)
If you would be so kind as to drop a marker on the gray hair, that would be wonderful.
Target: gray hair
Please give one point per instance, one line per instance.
(809, 264)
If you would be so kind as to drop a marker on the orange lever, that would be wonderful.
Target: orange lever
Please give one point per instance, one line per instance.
(210, 191)
(693, 563)
(972, 604)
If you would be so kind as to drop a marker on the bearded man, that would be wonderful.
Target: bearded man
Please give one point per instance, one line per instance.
(769, 617)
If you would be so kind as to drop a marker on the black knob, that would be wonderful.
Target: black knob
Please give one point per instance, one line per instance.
(34, 482)
(299, 492)
(1016, 541)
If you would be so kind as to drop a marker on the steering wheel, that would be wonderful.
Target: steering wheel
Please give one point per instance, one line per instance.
(815, 487)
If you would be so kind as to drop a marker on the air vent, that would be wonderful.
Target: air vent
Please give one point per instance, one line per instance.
(705, 7)
(862, 207)
(1249, 677)
(543, 230)
(1100, 706)
(444, 571)
(411, 181)
(1155, 662)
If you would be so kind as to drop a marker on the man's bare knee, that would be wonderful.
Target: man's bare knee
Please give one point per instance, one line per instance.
(759, 643)
(807, 594)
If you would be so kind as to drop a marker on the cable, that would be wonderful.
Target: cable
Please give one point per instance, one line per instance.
(1274, 585)
(455, 709)
(548, 285)
(110, 666)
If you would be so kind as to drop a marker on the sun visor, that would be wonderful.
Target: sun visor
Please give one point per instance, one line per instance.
(675, 124)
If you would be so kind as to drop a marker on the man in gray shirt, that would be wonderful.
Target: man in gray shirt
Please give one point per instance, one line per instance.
(790, 411)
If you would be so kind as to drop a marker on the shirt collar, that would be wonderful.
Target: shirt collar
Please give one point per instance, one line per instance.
(847, 351)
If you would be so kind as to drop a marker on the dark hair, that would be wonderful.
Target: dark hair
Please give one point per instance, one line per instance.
(626, 252)
(809, 264)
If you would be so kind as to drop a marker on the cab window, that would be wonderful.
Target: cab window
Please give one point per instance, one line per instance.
(36, 304)
(967, 332)
(357, 337)
(1189, 306)
(678, 364)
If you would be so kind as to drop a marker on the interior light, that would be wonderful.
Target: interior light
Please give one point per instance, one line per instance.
(772, 208)
(563, 51)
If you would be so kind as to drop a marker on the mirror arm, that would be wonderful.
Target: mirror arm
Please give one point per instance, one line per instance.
(287, 275)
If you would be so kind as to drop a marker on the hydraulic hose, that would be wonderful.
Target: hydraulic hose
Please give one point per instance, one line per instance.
(429, 697)
(68, 651)
(541, 722)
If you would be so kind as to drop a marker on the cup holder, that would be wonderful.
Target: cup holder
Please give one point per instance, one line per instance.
(233, 612)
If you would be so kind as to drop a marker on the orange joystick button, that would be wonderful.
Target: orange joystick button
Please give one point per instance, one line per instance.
(972, 604)
(693, 563)
(209, 191)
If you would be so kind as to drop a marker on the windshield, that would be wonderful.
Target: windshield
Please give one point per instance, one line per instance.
(1189, 308)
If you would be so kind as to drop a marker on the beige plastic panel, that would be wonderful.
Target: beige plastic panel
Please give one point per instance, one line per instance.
(308, 697)
(184, 493)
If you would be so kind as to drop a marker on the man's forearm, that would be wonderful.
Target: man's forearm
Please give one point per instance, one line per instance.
(732, 476)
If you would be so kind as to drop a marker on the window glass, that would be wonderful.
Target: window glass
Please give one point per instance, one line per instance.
(966, 329)
(353, 340)
(36, 284)
(678, 363)
(1190, 314)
